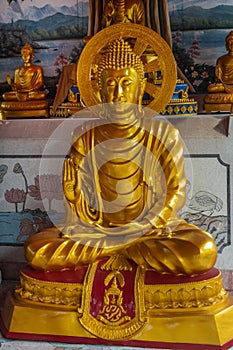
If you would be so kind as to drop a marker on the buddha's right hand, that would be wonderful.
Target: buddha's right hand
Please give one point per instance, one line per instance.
(8, 78)
(69, 180)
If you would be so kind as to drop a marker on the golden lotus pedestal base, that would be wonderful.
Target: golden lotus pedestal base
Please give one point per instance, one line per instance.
(25, 109)
(218, 102)
(218, 107)
(155, 312)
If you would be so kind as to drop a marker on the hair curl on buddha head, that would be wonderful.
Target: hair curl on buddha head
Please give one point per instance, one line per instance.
(119, 55)
(27, 47)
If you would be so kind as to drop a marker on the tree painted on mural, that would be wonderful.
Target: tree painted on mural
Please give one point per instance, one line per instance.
(199, 75)
(61, 61)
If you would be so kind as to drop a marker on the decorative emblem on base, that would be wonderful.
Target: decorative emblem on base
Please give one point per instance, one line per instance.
(118, 313)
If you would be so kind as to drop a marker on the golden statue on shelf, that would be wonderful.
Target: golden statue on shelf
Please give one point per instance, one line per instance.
(152, 13)
(220, 97)
(26, 98)
(28, 79)
(122, 267)
(121, 11)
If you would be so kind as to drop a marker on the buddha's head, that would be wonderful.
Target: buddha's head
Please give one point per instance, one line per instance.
(121, 78)
(229, 41)
(27, 53)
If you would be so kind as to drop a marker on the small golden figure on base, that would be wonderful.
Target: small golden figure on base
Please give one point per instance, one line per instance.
(220, 94)
(26, 98)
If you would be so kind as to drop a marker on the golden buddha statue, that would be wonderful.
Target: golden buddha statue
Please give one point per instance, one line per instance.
(26, 97)
(113, 207)
(28, 79)
(121, 11)
(220, 97)
(152, 13)
(224, 69)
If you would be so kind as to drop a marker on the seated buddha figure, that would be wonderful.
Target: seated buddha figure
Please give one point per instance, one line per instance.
(26, 98)
(220, 94)
(124, 184)
(28, 79)
(224, 70)
(120, 11)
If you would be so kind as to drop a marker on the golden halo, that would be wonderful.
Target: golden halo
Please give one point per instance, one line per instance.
(155, 53)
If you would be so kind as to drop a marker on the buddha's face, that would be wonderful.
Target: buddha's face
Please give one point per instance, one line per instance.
(229, 45)
(26, 56)
(120, 90)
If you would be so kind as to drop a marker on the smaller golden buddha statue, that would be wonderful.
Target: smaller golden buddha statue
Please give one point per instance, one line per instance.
(121, 11)
(220, 97)
(28, 79)
(26, 97)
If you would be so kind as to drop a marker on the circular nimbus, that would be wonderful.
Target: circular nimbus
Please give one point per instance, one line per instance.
(154, 52)
(107, 172)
